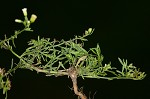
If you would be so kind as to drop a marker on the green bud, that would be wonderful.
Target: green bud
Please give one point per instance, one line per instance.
(90, 30)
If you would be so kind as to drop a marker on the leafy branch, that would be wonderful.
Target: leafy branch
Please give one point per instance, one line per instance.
(60, 58)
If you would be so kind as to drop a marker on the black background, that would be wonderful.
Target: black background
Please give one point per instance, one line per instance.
(121, 29)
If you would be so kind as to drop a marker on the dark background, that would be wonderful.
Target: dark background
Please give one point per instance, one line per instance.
(121, 29)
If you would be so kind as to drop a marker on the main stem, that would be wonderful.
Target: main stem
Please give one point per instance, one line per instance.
(73, 75)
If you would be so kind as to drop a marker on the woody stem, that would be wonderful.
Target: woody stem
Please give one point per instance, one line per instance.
(73, 75)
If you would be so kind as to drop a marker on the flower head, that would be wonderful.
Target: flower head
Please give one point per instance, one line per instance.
(24, 10)
(33, 18)
(18, 21)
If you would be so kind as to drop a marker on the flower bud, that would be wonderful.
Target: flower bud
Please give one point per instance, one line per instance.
(18, 21)
(24, 10)
(90, 30)
(28, 22)
(86, 32)
(33, 18)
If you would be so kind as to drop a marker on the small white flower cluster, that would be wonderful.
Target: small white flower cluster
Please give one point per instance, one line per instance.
(32, 19)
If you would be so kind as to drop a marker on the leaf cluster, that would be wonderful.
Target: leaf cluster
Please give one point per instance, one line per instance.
(55, 57)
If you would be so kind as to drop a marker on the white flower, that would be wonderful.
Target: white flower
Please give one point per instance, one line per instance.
(33, 18)
(24, 10)
(18, 21)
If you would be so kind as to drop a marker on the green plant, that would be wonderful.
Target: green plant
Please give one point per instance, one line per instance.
(60, 58)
